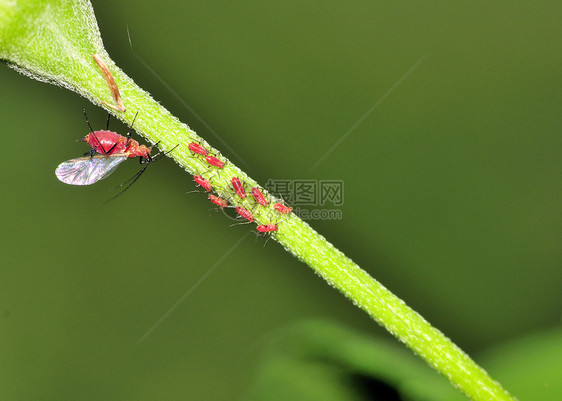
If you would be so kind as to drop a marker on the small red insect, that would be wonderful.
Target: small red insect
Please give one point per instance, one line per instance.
(266, 228)
(218, 201)
(196, 148)
(238, 187)
(203, 182)
(213, 161)
(245, 213)
(113, 149)
(282, 208)
(258, 196)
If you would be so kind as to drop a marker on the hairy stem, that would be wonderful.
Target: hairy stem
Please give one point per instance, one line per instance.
(55, 40)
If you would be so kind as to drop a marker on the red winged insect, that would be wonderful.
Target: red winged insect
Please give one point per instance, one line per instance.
(238, 187)
(245, 213)
(218, 201)
(113, 150)
(282, 208)
(258, 196)
(266, 228)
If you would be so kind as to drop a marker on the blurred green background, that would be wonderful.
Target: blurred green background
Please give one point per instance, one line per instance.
(453, 189)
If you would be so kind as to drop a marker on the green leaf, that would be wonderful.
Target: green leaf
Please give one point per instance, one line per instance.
(531, 366)
(323, 360)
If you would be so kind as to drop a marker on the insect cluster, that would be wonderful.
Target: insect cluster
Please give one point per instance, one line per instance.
(109, 149)
(237, 189)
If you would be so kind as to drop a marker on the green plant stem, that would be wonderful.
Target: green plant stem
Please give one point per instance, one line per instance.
(55, 40)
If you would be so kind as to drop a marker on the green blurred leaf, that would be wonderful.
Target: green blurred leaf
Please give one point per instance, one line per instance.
(531, 366)
(323, 360)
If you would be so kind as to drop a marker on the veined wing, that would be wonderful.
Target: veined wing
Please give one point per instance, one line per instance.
(88, 170)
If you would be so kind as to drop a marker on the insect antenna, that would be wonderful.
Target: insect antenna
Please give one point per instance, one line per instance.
(93, 151)
(87, 121)
(162, 154)
(132, 180)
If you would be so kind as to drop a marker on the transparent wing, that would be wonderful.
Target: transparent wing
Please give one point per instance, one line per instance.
(88, 170)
